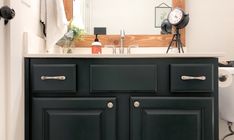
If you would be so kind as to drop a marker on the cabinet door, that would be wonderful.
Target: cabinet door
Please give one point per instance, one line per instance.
(172, 118)
(73, 118)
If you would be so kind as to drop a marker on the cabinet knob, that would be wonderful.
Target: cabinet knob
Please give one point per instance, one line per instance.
(110, 105)
(136, 104)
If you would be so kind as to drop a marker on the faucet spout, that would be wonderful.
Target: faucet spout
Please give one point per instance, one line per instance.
(122, 37)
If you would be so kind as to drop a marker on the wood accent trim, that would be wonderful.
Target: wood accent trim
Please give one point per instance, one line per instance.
(141, 40)
(68, 6)
(180, 4)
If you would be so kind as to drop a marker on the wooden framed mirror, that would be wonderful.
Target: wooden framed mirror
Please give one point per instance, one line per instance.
(142, 40)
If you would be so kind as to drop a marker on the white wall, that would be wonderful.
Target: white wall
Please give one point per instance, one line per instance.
(26, 20)
(2, 80)
(211, 26)
(211, 30)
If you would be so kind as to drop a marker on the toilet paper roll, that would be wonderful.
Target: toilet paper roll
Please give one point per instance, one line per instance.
(225, 78)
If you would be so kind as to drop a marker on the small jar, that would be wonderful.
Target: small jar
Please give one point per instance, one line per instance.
(96, 48)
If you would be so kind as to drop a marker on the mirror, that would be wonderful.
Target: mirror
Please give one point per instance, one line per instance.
(135, 17)
(123, 15)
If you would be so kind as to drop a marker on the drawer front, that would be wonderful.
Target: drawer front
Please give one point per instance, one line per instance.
(53, 78)
(192, 78)
(123, 78)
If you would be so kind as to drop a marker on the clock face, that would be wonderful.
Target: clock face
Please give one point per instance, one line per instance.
(175, 16)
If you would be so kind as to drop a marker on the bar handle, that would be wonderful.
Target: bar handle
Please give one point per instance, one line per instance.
(60, 78)
(185, 78)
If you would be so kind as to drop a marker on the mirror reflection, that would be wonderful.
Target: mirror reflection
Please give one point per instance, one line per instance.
(135, 17)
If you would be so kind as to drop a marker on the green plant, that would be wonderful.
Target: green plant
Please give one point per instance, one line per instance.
(72, 34)
(77, 32)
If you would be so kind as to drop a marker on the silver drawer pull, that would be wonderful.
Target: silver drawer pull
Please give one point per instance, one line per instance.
(202, 78)
(61, 78)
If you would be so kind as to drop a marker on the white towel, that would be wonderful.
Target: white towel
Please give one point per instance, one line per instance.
(54, 17)
(43, 11)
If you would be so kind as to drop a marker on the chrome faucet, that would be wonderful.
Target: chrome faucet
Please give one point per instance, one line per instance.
(130, 47)
(111, 46)
(122, 36)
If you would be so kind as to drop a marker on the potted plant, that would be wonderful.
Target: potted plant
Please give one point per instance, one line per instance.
(73, 33)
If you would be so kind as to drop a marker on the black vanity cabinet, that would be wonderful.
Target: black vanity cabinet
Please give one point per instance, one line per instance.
(121, 98)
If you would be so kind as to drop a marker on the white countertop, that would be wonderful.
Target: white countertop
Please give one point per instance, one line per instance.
(139, 52)
(169, 55)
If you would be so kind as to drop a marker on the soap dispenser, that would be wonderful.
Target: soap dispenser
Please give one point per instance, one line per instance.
(96, 46)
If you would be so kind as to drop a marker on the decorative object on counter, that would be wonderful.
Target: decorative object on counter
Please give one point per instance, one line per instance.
(161, 13)
(96, 46)
(166, 27)
(73, 33)
(7, 14)
(179, 19)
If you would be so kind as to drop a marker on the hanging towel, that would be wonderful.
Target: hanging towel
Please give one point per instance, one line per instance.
(54, 18)
(43, 16)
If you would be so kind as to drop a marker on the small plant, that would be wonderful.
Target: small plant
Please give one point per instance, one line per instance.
(73, 33)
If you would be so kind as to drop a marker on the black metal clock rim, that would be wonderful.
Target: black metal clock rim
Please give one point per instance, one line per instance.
(181, 20)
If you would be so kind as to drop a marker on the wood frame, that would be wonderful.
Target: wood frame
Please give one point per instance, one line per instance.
(68, 6)
(141, 40)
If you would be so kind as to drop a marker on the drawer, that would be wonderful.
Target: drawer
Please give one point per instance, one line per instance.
(192, 78)
(123, 78)
(53, 78)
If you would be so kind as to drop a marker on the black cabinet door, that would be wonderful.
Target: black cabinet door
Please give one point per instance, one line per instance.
(73, 119)
(172, 118)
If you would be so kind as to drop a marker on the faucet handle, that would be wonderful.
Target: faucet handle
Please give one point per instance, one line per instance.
(111, 46)
(131, 46)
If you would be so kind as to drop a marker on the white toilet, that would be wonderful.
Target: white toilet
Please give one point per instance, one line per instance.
(226, 93)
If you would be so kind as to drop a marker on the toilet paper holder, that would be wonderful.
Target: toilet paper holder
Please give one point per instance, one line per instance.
(223, 78)
(230, 129)
(225, 81)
